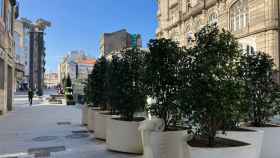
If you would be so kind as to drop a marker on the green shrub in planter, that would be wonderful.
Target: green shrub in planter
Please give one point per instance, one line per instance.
(98, 84)
(67, 82)
(161, 80)
(262, 92)
(70, 99)
(127, 97)
(87, 90)
(126, 82)
(212, 93)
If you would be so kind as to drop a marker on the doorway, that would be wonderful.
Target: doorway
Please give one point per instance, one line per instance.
(10, 89)
(2, 85)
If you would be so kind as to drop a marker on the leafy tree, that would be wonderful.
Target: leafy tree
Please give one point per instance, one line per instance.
(213, 90)
(98, 84)
(63, 82)
(261, 90)
(161, 79)
(68, 82)
(126, 80)
(87, 89)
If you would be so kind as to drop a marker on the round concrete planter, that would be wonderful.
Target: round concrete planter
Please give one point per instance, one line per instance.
(223, 152)
(84, 115)
(171, 144)
(254, 138)
(100, 124)
(91, 118)
(124, 136)
(271, 142)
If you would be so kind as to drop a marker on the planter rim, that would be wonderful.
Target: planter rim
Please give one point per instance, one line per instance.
(276, 126)
(168, 132)
(221, 148)
(94, 108)
(116, 118)
(106, 113)
(253, 130)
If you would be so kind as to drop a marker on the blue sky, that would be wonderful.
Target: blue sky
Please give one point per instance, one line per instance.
(78, 24)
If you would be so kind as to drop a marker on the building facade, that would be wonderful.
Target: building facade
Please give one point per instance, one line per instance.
(117, 41)
(68, 65)
(37, 55)
(51, 80)
(78, 66)
(84, 68)
(8, 14)
(22, 43)
(255, 23)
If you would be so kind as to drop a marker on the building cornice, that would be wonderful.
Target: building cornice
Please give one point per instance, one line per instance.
(242, 35)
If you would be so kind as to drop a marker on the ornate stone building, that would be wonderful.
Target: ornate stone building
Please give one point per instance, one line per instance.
(255, 23)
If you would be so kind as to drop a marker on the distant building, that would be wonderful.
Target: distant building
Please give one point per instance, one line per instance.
(84, 68)
(51, 80)
(78, 66)
(37, 55)
(30, 53)
(68, 64)
(116, 41)
(22, 48)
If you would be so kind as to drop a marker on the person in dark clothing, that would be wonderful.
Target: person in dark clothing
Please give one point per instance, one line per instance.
(30, 96)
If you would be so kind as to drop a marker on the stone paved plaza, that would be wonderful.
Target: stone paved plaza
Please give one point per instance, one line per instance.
(45, 130)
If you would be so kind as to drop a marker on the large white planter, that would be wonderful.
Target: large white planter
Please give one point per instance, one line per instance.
(124, 136)
(254, 138)
(84, 115)
(271, 142)
(172, 144)
(227, 152)
(91, 118)
(100, 124)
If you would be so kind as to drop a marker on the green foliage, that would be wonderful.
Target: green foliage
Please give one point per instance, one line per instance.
(161, 79)
(70, 99)
(126, 83)
(68, 82)
(87, 90)
(213, 89)
(97, 84)
(261, 90)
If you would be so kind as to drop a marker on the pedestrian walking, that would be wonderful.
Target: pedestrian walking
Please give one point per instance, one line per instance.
(30, 96)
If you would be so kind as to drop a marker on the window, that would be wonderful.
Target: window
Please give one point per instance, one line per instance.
(213, 18)
(173, 15)
(186, 6)
(239, 15)
(247, 48)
